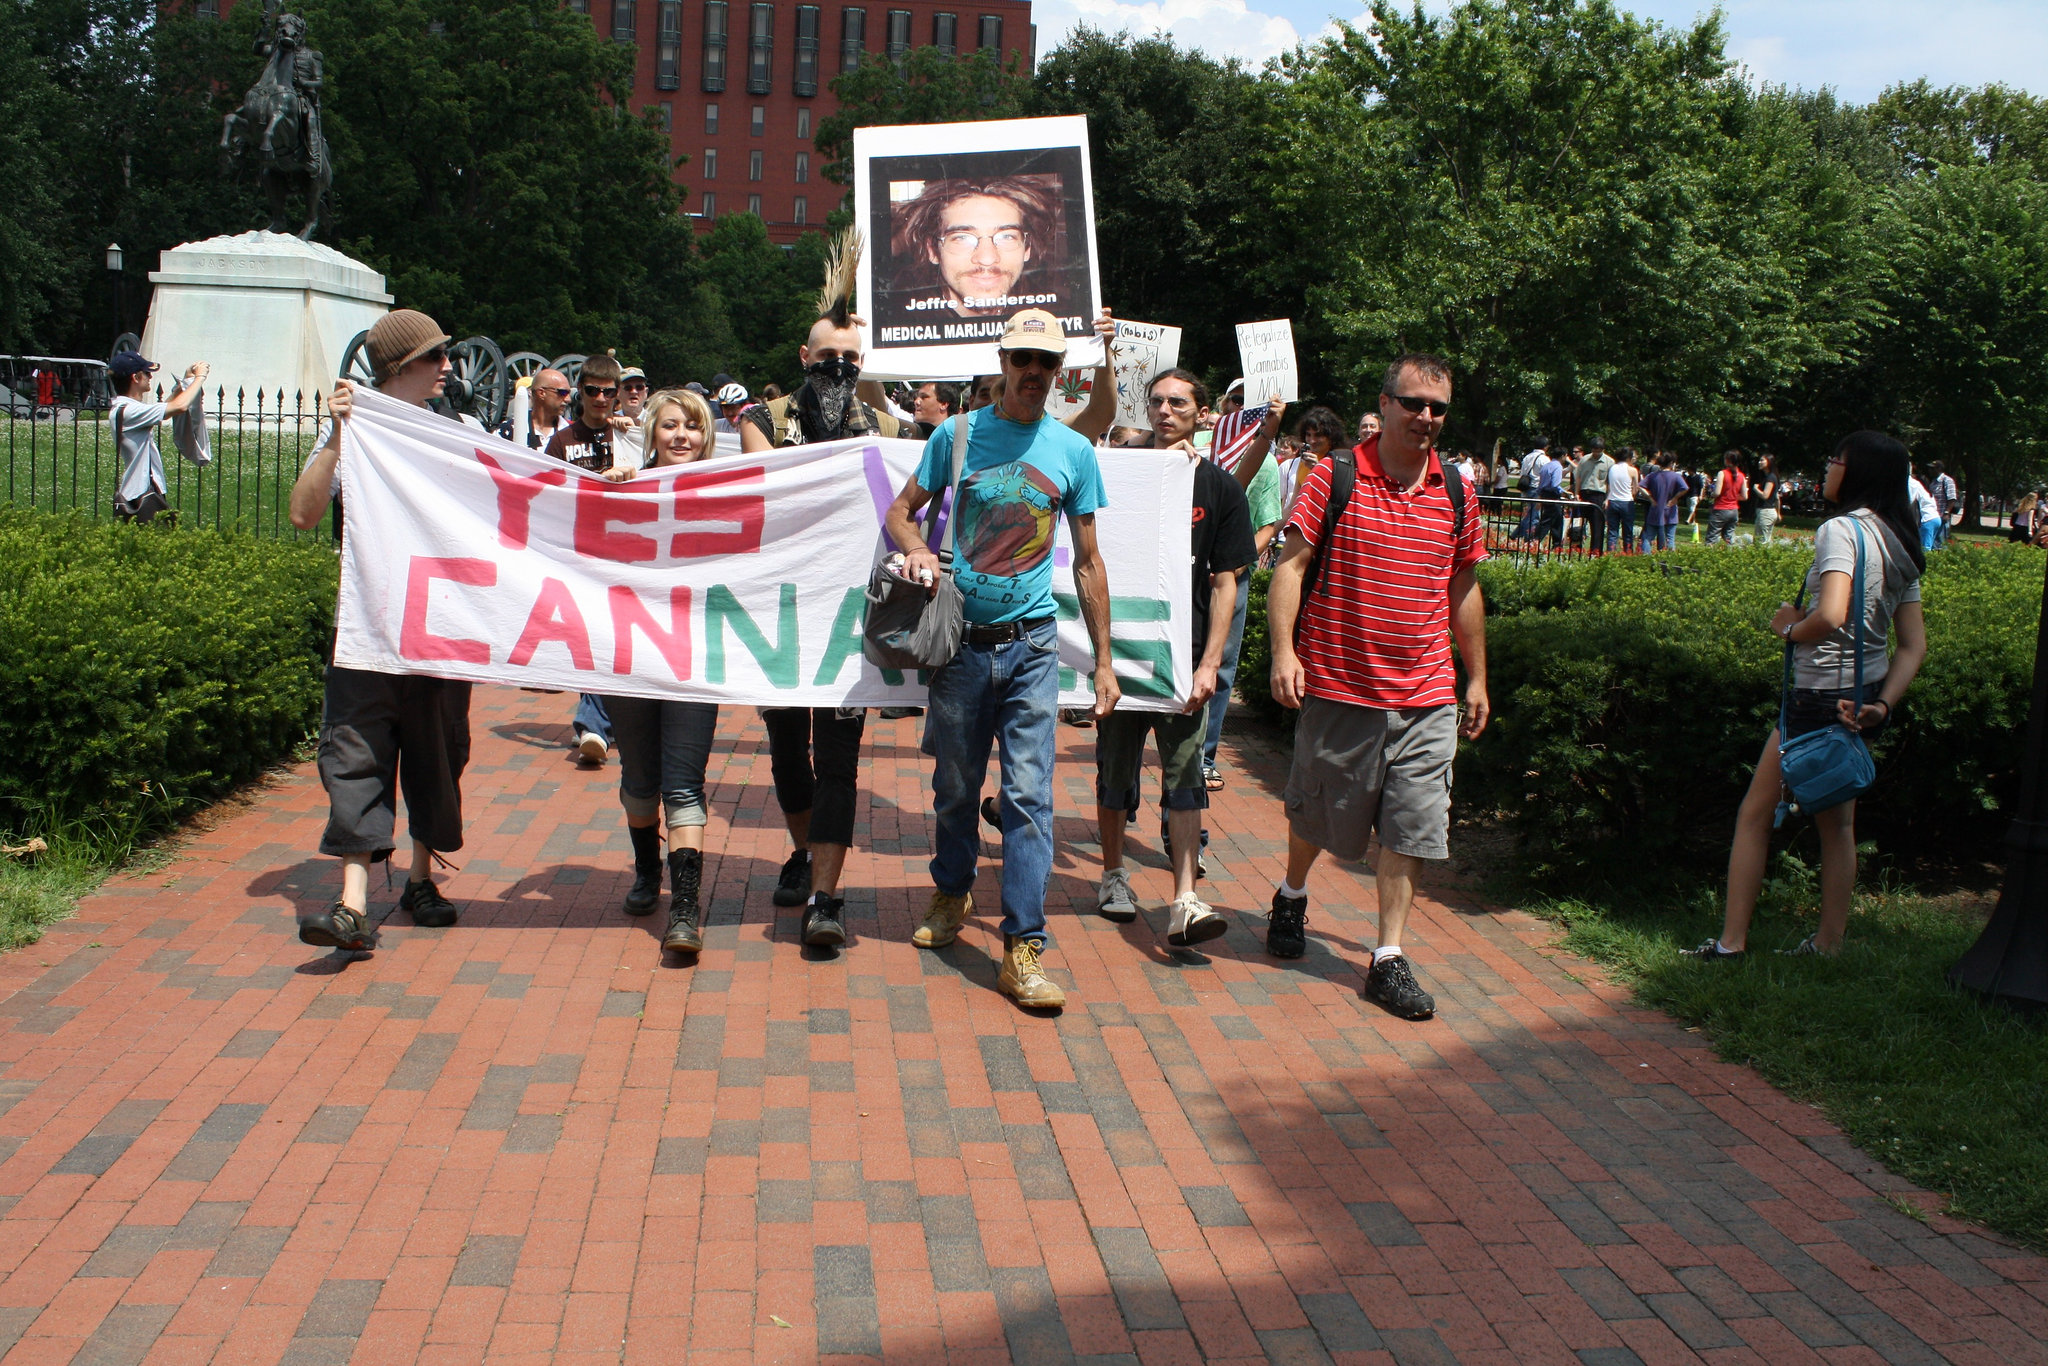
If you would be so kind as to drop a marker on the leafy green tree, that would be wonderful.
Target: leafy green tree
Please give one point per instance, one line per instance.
(30, 121)
(1587, 214)
(1963, 360)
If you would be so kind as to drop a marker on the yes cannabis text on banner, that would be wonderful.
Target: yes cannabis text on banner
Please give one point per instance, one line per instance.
(739, 579)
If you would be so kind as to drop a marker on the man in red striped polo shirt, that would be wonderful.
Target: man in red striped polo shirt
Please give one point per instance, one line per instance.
(1367, 658)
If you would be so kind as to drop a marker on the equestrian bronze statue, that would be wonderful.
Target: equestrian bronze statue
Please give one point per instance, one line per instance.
(278, 125)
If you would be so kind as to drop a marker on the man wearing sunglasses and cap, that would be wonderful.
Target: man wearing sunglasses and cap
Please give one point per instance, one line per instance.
(381, 732)
(1366, 655)
(135, 419)
(591, 442)
(1021, 472)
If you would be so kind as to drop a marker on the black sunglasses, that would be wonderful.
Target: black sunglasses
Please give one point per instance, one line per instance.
(1433, 406)
(595, 390)
(1044, 360)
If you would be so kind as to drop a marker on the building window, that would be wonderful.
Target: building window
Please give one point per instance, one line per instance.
(801, 212)
(714, 46)
(853, 38)
(945, 33)
(754, 160)
(992, 34)
(803, 122)
(711, 120)
(754, 205)
(710, 204)
(668, 116)
(711, 163)
(579, 6)
(899, 34)
(760, 48)
(668, 50)
(207, 9)
(809, 18)
(622, 21)
(803, 168)
(758, 123)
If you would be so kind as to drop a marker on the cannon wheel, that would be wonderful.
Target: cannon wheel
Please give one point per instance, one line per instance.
(524, 365)
(127, 341)
(355, 362)
(479, 384)
(570, 365)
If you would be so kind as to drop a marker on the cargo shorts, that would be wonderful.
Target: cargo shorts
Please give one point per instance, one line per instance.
(1358, 770)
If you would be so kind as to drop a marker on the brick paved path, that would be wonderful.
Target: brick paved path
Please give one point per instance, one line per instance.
(527, 1137)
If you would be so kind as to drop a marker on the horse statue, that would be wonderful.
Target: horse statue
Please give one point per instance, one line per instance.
(278, 124)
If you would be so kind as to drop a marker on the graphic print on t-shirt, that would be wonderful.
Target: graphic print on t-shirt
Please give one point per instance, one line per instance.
(1006, 527)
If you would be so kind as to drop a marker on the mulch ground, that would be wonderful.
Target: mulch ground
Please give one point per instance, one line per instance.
(530, 1137)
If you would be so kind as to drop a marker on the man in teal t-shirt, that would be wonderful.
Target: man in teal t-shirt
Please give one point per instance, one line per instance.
(1022, 472)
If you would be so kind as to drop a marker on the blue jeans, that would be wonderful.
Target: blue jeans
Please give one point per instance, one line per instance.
(1007, 695)
(1941, 529)
(663, 749)
(1621, 525)
(591, 716)
(1660, 537)
(1927, 534)
(1226, 674)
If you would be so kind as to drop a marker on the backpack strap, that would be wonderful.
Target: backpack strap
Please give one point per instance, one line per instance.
(1343, 477)
(961, 435)
(1454, 489)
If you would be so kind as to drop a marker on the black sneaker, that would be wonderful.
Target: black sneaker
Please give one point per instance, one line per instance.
(822, 927)
(793, 886)
(1392, 984)
(898, 713)
(991, 814)
(1287, 931)
(427, 907)
(339, 927)
(1712, 952)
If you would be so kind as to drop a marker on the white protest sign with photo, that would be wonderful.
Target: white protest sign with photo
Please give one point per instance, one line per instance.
(1267, 353)
(1140, 351)
(735, 579)
(966, 224)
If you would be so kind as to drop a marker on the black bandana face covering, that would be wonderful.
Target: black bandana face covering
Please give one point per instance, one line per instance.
(832, 383)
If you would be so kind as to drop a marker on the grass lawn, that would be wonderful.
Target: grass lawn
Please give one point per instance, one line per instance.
(1943, 1088)
(38, 892)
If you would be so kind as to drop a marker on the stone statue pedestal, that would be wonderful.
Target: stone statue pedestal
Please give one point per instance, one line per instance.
(267, 311)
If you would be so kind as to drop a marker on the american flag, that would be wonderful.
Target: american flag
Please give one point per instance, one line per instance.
(1234, 435)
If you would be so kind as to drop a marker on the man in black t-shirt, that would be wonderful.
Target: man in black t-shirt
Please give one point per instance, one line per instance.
(587, 442)
(1220, 544)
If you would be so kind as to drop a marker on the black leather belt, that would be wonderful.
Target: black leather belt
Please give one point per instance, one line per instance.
(1003, 634)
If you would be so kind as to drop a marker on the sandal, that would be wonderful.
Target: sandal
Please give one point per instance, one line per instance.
(1212, 777)
(339, 927)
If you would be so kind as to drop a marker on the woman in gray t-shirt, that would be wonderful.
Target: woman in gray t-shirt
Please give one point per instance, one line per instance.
(1866, 482)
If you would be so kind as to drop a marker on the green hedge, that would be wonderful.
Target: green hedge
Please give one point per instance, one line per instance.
(1632, 694)
(147, 670)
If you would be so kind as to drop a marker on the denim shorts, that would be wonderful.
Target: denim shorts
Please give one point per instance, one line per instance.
(1813, 709)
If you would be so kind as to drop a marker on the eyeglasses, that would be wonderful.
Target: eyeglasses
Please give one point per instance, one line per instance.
(552, 389)
(1433, 406)
(437, 355)
(636, 384)
(599, 390)
(1024, 360)
(960, 242)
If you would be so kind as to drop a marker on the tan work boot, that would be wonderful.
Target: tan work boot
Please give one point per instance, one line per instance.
(1024, 980)
(943, 921)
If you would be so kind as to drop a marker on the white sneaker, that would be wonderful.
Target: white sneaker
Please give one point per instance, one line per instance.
(592, 748)
(1193, 922)
(1114, 901)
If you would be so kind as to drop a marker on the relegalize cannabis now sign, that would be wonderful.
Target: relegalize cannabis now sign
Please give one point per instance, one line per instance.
(739, 579)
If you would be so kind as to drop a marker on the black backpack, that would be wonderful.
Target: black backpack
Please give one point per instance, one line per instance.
(1343, 477)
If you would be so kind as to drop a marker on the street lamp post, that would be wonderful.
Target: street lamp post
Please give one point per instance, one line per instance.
(114, 269)
(2010, 959)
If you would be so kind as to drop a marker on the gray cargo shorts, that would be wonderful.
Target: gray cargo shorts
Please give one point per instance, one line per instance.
(1359, 769)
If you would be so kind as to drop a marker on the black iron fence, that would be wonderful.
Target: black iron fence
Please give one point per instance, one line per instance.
(1524, 529)
(60, 458)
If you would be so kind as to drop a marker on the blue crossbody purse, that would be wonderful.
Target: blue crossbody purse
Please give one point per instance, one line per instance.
(1832, 765)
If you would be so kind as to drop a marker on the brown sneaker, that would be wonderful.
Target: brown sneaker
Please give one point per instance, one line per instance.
(943, 921)
(1024, 980)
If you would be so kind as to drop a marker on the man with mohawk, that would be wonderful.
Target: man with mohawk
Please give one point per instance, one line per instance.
(814, 752)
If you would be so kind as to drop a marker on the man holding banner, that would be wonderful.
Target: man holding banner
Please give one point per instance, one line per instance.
(1019, 473)
(378, 730)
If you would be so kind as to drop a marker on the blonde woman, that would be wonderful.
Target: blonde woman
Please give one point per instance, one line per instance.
(663, 746)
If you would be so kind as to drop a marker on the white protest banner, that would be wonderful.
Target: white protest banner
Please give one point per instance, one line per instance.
(1140, 351)
(1267, 352)
(966, 224)
(736, 579)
